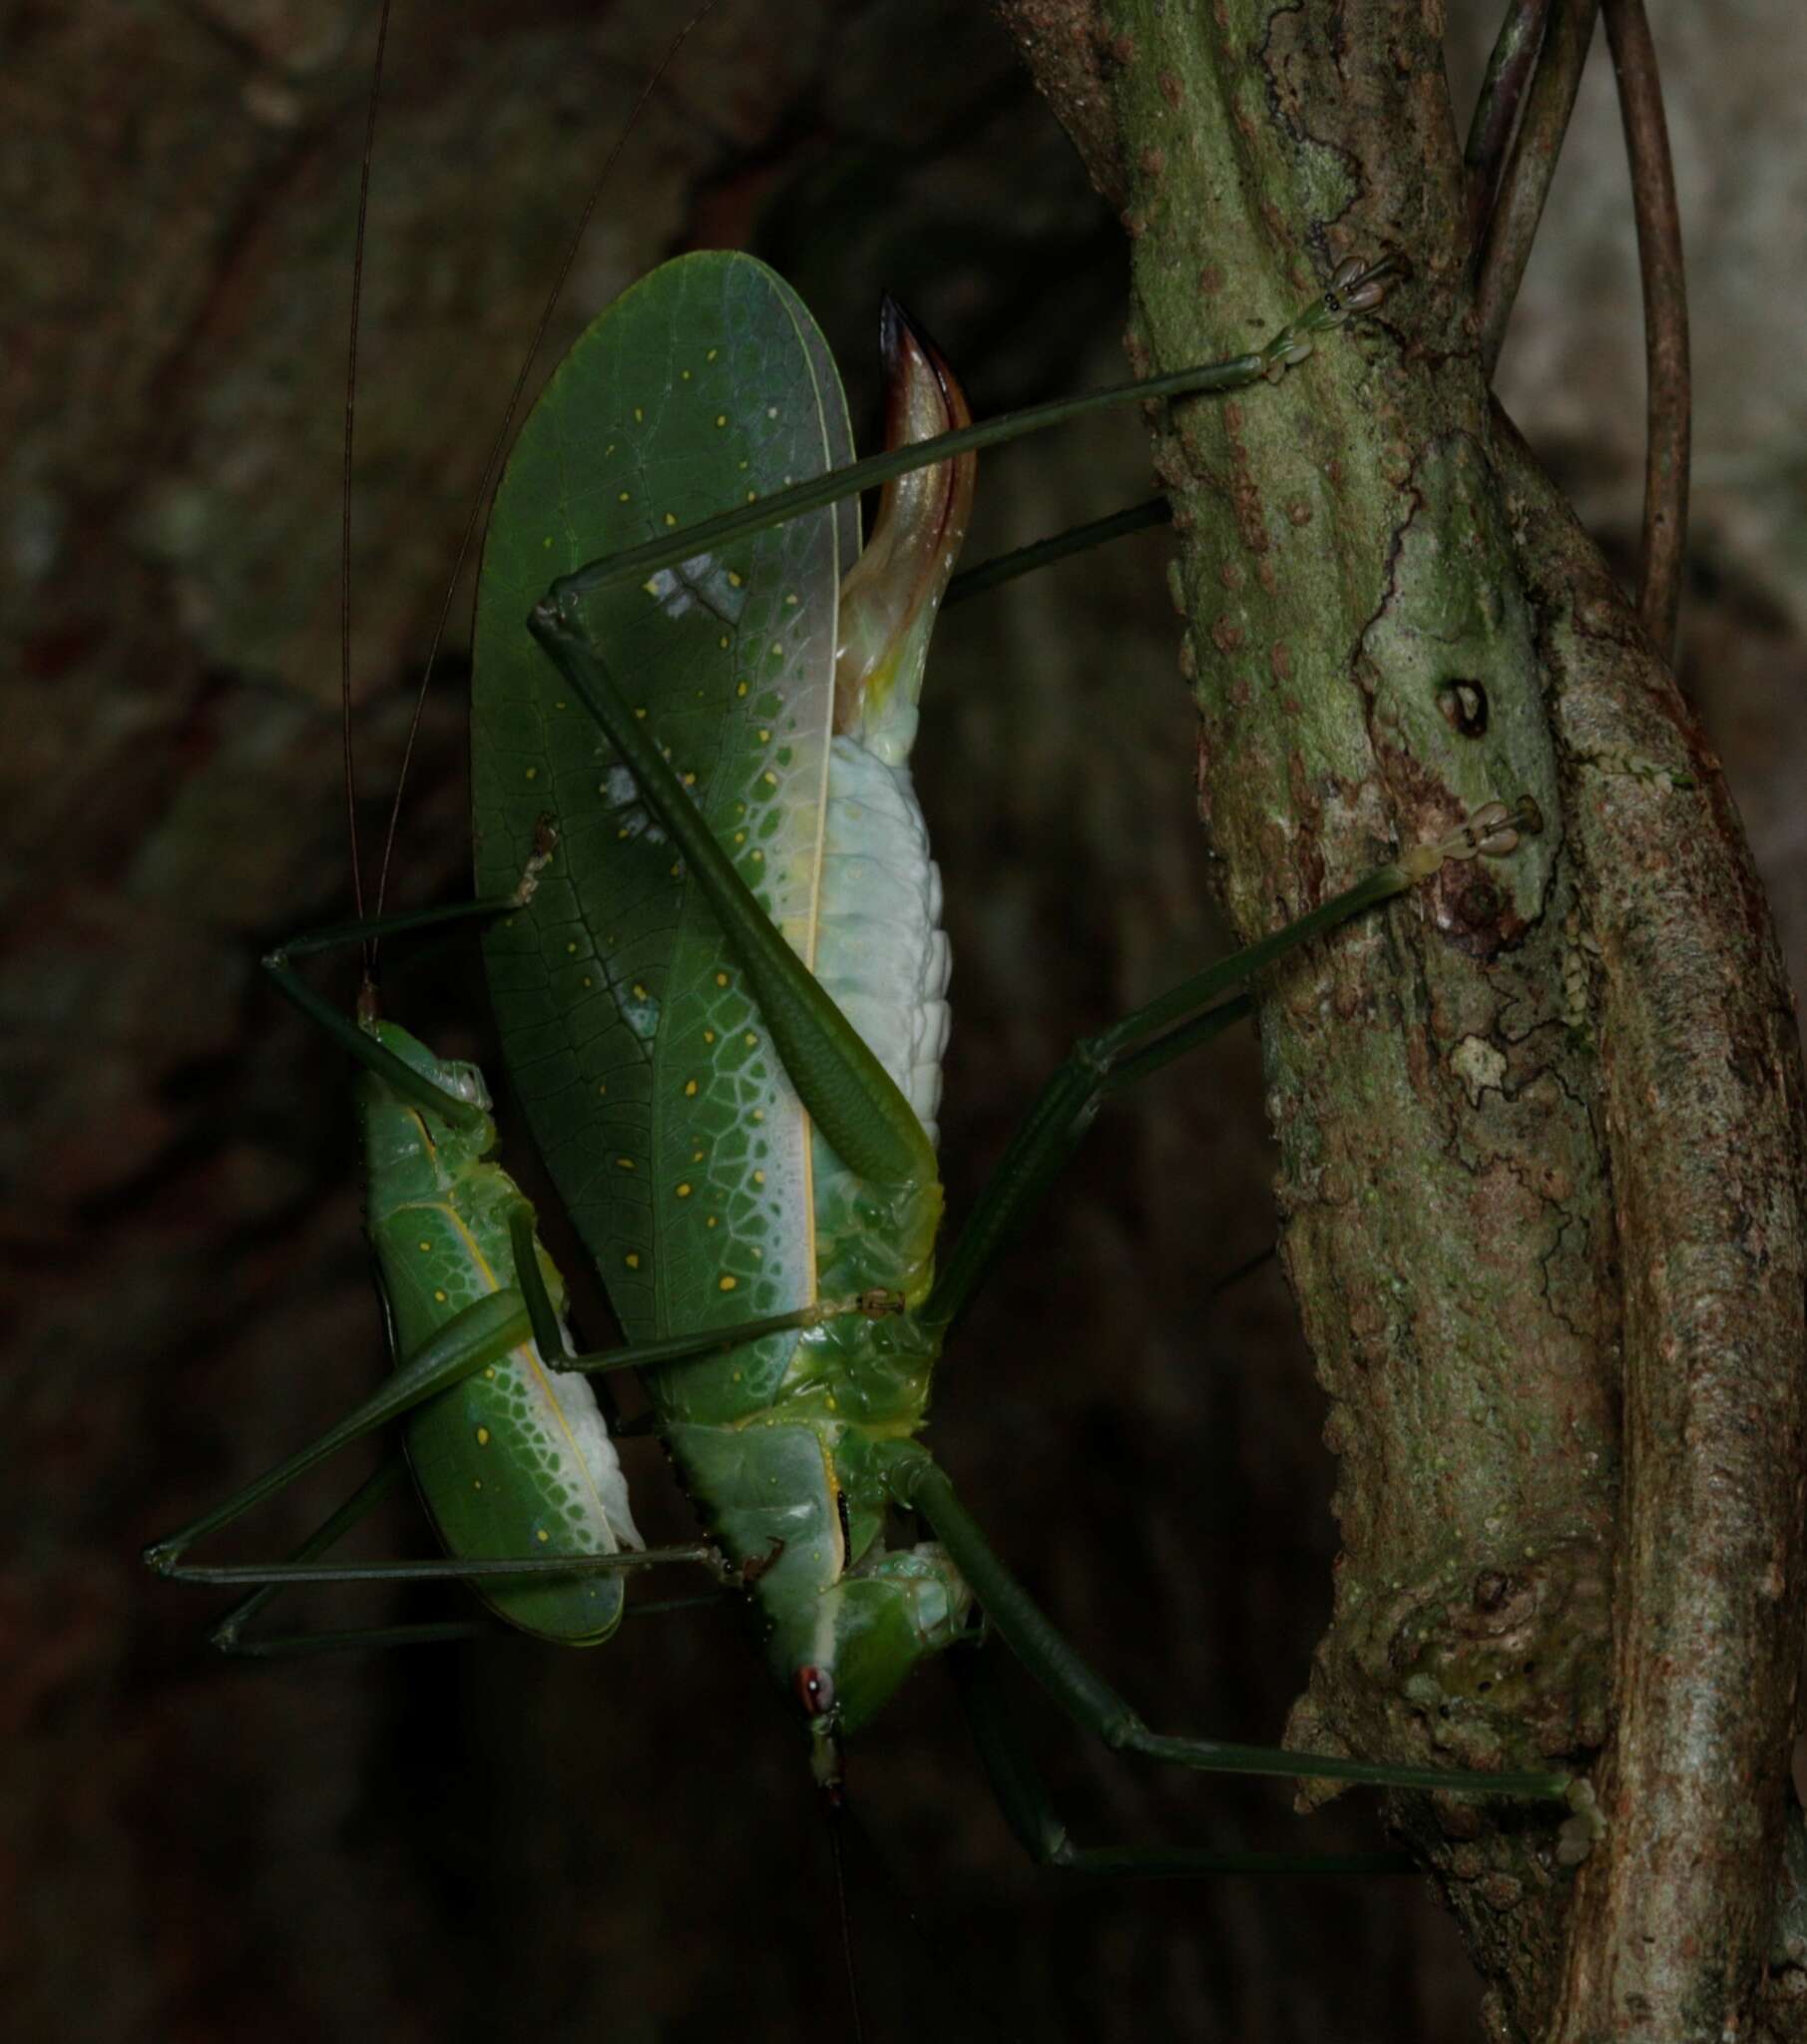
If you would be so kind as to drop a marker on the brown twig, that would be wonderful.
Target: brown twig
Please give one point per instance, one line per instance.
(1529, 169)
(1508, 71)
(1702, 1100)
(1666, 516)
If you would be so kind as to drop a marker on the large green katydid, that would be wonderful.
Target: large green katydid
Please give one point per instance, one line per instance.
(716, 642)
(738, 1161)
(729, 814)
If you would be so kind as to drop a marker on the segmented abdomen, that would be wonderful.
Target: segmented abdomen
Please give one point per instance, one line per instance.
(880, 949)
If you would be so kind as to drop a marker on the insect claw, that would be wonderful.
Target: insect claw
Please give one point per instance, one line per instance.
(756, 1565)
(1358, 288)
(1490, 833)
(1346, 274)
(556, 610)
(1582, 1829)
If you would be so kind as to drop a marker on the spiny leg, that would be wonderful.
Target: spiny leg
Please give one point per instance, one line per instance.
(1161, 1031)
(1023, 1796)
(229, 1635)
(480, 1334)
(917, 1483)
(468, 1569)
(477, 1337)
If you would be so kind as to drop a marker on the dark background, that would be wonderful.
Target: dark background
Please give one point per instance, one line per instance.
(502, 1840)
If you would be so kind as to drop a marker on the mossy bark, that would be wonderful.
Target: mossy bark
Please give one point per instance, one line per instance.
(1540, 1130)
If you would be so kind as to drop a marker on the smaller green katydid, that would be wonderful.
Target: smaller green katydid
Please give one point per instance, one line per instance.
(513, 1463)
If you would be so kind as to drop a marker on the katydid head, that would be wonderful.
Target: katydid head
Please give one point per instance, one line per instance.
(845, 1650)
(891, 593)
(398, 1127)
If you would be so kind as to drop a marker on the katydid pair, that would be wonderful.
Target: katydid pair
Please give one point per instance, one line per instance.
(691, 786)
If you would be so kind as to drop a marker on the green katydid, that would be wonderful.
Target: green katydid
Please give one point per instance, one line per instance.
(848, 1619)
(734, 809)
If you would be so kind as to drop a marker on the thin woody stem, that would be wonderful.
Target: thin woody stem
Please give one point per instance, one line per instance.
(1667, 396)
(1530, 168)
(1508, 73)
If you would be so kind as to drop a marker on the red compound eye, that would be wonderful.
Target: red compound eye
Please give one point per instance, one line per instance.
(815, 1690)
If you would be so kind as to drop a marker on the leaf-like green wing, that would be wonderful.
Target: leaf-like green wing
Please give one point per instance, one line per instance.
(667, 1123)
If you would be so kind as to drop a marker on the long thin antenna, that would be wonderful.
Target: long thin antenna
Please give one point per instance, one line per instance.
(357, 292)
(837, 1813)
(492, 465)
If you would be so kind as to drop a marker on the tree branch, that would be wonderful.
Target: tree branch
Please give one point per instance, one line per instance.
(1552, 1127)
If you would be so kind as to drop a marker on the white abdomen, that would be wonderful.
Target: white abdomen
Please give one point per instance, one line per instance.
(880, 949)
